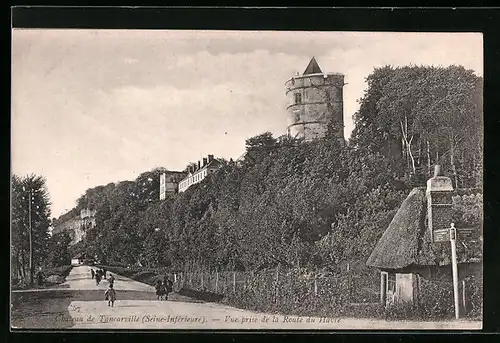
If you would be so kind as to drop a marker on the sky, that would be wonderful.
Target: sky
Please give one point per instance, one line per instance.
(90, 107)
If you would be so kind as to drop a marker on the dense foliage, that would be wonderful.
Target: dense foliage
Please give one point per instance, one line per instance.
(316, 205)
(420, 116)
(303, 204)
(30, 207)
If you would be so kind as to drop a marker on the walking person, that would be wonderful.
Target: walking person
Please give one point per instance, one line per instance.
(92, 272)
(104, 272)
(111, 279)
(169, 287)
(110, 296)
(160, 290)
(97, 278)
(39, 277)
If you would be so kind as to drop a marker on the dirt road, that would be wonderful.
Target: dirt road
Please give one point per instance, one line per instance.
(79, 303)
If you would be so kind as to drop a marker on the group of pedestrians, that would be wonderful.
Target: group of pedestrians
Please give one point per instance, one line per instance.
(100, 274)
(163, 288)
(110, 294)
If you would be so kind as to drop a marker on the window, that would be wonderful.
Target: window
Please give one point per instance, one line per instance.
(391, 282)
(298, 98)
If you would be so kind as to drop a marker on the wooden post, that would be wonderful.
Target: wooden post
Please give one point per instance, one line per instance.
(30, 238)
(383, 288)
(315, 287)
(234, 282)
(276, 290)
(464, 299)
(216, 282)
(349, 293)
(353, 288)
(453, 236)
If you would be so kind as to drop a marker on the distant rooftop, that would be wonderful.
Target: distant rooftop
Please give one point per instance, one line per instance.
(312, 68)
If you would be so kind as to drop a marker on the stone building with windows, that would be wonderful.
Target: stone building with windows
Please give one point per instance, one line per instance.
(197, 172)
(315, 100)
(169, 183)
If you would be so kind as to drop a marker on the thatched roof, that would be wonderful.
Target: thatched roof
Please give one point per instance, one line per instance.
(406, 242)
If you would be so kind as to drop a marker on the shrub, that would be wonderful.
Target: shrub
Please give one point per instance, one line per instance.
(292, 293)
(365, 310)
(60, 271)
(149, 277)
(474, 291)
(436, 299)
(402, 311)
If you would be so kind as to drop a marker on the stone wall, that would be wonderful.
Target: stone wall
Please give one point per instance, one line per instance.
(321, 100)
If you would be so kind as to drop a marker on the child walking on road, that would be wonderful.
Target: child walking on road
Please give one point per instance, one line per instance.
(110, 296)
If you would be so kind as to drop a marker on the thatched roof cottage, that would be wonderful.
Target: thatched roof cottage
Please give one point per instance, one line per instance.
(407, 252)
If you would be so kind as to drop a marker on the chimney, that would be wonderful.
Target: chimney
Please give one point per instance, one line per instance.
(438, 193)
(204, 161)
(199, 165)
(210, 158)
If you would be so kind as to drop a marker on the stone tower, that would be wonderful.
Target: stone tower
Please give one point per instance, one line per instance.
(314, 99)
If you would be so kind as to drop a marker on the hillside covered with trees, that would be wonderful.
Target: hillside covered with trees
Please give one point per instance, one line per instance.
(316, 204)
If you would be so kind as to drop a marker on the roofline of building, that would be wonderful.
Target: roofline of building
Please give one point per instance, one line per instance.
(316, 74)
(198, 170)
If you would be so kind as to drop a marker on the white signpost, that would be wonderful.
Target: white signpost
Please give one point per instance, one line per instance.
(452, 234)
(454, 267)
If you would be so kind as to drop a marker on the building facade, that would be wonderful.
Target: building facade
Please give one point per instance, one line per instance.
(78, 225)
(169, 183)
(407, 255)
(199, 171)
(315, 99)
(87, 217)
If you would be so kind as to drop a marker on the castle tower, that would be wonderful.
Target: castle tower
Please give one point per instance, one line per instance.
(315, 98)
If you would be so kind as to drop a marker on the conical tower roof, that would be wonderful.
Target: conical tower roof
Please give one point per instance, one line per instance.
(312, 68)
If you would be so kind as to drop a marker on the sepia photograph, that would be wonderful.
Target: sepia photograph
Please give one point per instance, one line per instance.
(246, 180)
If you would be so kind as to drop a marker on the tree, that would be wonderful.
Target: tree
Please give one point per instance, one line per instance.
(419, 116)
(59, 253)
(30, 224)
(258, 147)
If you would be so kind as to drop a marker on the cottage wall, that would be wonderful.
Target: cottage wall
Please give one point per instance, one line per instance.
(404, 287)
(397, 287)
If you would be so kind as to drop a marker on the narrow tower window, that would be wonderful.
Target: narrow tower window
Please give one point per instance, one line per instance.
(298, 98)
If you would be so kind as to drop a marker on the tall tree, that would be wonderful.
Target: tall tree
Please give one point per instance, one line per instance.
(30, 224)
(433, 114)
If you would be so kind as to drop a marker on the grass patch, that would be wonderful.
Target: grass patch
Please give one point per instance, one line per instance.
(62, 271)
